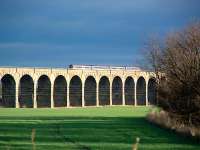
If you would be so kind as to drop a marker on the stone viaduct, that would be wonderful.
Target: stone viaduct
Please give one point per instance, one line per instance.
(76, 86)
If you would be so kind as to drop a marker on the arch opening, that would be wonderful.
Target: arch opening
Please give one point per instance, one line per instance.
(75, 91)
(8, 86)
(26, 91)
(90, 91)
(60, 92)
(0, 93)
(117, 91)
(129, 91)
(152, 91)
(141, 91)
(44, 92)
(104, 91)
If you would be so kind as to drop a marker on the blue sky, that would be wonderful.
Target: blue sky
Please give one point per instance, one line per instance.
(56, 33)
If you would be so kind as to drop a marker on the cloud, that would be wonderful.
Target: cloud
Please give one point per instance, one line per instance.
(48, 32)
(43, 54)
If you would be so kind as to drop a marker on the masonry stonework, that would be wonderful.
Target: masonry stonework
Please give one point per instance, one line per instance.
(83, 74)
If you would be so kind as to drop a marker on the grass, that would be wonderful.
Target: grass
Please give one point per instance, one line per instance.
(108, 128)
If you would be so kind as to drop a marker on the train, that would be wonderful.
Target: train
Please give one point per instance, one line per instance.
(72, 66)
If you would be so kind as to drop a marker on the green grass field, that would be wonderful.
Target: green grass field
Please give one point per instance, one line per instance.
(108, 128)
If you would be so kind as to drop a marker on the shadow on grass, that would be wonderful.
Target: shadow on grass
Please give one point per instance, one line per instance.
(88, 133)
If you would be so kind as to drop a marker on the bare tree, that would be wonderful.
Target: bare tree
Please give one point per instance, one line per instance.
(178, 59)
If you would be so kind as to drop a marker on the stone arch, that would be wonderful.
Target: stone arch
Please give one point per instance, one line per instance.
(75, 91)
(8, 86)
(0, 92)
(129, 89)
(60, 91)
(152, 91)
(141, 91)
(44, 91)
(104, 91)
(90, 91)
(26, 91)
(117, 91)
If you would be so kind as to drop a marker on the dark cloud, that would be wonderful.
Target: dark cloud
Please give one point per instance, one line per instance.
(56, 33)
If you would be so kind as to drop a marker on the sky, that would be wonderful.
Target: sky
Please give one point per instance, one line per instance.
(56, 33)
